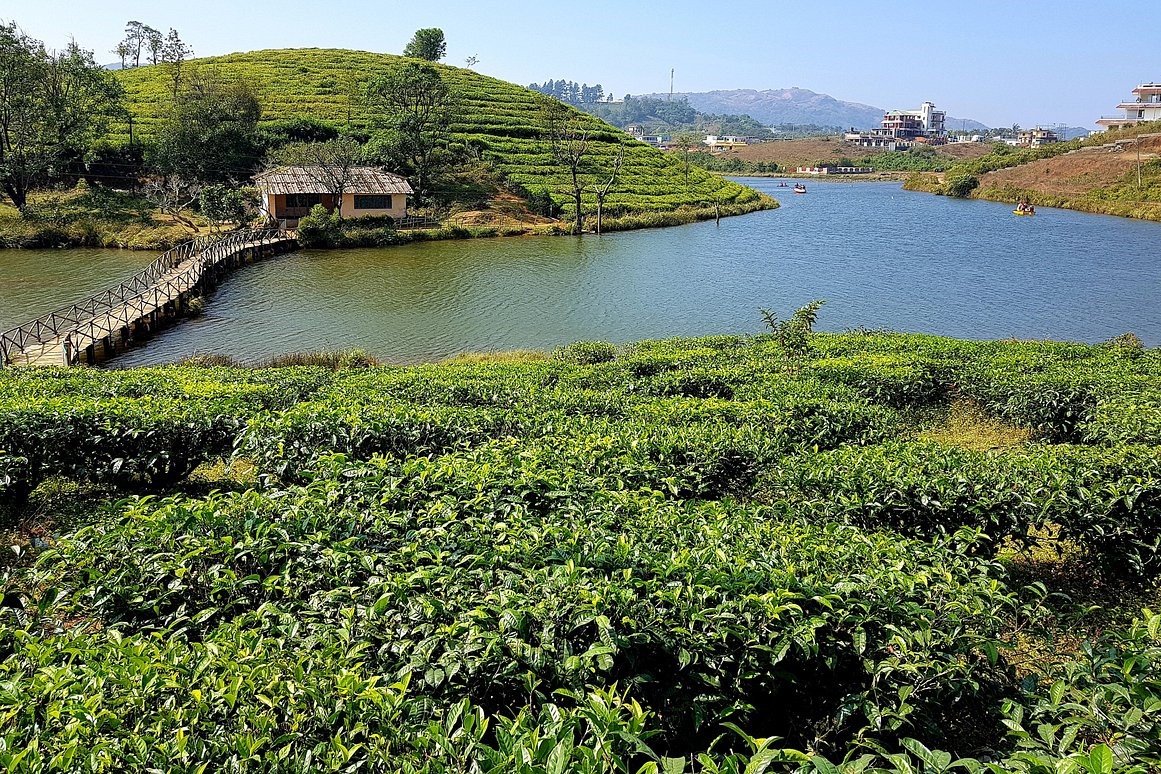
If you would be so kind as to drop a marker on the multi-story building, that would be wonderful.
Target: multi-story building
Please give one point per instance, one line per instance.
(1034, 138)
(1144, 106)
(906, 124)
(900, 128)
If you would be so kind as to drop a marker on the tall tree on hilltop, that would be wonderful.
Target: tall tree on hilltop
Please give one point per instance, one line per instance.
(135, 36)
(173, 54)
(52, 107)
(155, 43)
(427, 44)
(414, 109)
(122, 51)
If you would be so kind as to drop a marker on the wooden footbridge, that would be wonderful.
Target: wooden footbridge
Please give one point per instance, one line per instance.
(97, 327)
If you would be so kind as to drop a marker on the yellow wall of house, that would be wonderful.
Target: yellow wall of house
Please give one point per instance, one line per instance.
(398, 207)
(275, 204)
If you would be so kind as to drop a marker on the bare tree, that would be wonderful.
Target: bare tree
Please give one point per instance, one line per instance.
(173, 195)
(331, 164)
(568, 133)
(602, 188)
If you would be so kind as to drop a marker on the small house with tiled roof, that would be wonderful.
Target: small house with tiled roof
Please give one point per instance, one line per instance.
(288, 193)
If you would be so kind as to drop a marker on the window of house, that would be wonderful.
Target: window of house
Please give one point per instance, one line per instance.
(302, 201)
(367, 202)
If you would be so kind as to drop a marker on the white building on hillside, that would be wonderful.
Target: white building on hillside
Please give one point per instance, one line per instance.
(1144, 106)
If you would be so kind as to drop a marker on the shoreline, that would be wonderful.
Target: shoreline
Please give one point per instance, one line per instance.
(380, 237)
(1133, 210)
(874, 177)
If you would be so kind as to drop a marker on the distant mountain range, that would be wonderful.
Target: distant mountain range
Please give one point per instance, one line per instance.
(798, 106)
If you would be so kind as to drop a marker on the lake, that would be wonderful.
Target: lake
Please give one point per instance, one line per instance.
(881, 257)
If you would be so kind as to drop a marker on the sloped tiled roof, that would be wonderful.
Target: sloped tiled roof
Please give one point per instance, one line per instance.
(311, 180)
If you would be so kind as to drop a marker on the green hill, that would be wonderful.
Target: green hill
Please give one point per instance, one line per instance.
(500, 119)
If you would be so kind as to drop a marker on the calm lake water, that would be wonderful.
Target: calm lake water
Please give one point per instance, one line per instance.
(882, 257)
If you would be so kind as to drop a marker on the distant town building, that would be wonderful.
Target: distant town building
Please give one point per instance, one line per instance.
(656, 140)
(834, 169)
(1034, 138)
(901, 128)
(725, 142)
(1144, 106)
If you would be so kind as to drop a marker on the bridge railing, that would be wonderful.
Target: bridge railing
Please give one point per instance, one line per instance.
(100, 315)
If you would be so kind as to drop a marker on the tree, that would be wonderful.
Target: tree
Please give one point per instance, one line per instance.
(568, 133)
(471, 61)
(52, 107)
(226, 204)
(210, 134)
(602, 188)
(122, 51)
(173, 54)
(155, 43)
(415, 110)
(173, 195)
(331, 164)
(427, 44)
(687, 140)
(134, 40)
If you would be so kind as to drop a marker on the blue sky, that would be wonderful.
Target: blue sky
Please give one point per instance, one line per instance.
(1030, 62)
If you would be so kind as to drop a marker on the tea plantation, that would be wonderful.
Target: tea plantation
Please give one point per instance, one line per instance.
(707, 555)
(501, 122)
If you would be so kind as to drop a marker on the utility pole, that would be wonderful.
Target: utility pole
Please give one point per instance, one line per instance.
(671, 84)
(1138, 166)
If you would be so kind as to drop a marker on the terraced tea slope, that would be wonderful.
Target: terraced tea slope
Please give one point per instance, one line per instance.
(500, 120)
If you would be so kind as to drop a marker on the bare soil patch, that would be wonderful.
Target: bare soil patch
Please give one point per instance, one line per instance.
(503, 209)
(1076, 173)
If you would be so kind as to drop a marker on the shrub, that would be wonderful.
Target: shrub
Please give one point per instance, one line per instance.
(961, 185)
(320, 228)
(586, 352)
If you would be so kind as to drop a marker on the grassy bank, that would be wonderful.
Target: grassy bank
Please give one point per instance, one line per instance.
(1113, 173)
(95, 217)
(704, 555)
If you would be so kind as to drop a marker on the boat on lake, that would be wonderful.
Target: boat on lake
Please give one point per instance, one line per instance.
(799, 188)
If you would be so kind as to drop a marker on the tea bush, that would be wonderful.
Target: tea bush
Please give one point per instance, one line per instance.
(677, 555)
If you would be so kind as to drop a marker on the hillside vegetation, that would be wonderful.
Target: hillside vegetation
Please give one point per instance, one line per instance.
(729, 554)
(499, 121)
(1098, 174)
(815, 151)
